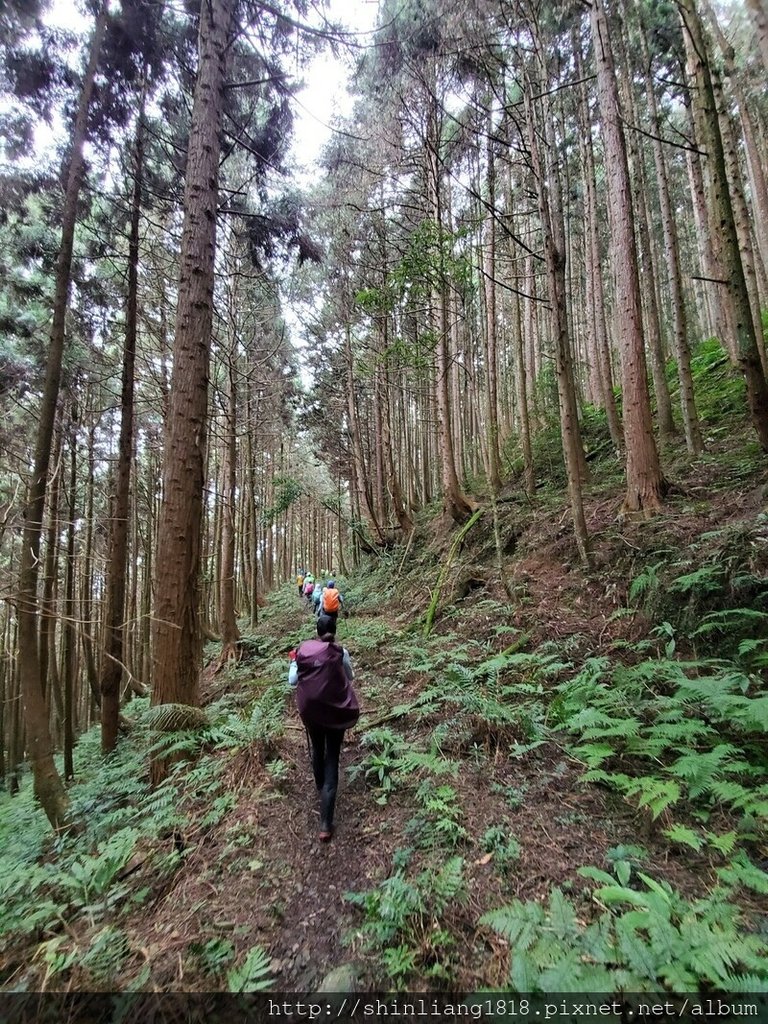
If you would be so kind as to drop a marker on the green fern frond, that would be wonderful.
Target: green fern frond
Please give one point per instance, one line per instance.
(519, 923)
(745, 983)
(684, 836)
(699, 770)
(639, 955)
(253, 975)
(176, 717)
(653, 793)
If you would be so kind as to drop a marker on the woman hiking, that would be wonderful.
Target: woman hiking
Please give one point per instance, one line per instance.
(322, 674)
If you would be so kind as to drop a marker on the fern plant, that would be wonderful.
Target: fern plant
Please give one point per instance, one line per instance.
(255, 730)
(402, 921)
(393, 761)
(679, 730)
(438, 825)
(645, 939)
(253, 975)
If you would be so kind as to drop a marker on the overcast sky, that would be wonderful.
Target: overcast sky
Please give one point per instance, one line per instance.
(324, 97)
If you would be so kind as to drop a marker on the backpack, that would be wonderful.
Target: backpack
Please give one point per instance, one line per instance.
(331, 600)
(309, 589)
(324, 696)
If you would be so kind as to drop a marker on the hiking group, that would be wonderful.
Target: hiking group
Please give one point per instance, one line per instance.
(320, 599)
(321, 673)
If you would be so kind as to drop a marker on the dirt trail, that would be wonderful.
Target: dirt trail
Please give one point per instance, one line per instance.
(262, 877)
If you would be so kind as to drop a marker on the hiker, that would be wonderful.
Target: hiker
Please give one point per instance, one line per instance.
(309, 590)
(322, 674)
(317, 597)
(332, 600)
(300, 581)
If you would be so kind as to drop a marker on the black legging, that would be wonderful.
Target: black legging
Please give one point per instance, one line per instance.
(326, 748)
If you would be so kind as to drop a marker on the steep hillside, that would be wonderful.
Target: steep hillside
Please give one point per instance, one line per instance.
(564, 784)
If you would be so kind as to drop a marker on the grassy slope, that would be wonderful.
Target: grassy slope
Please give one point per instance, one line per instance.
(612, 721)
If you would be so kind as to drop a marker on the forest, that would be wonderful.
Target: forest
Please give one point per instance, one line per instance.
(493, 359)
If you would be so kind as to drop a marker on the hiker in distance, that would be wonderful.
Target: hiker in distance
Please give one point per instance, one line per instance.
(309, 586)
(331, 600)
(317, 597)
(322, 674)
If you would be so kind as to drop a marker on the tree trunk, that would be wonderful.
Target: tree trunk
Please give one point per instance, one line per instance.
(645, 481)
(114, 652)
(48, 667)
(595, 294)
(69, 641)
(491, 329)
(49, 789)
(177, 641)
(230, 634)
(717, 320)
(691, 426)
(358, 459)
(751, 144)
(553, 229)
(653, 327)
(716, 186)
(455, 503)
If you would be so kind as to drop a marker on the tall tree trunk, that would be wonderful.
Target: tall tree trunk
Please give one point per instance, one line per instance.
(358, 459)
(716, 185)
(455, 502)
(741, 214)
(553, 229)
(645, 481)
(177, 640)
(491, 327)
(595, 293)
(114, 652)
(48, 786)
(69, 642)
(652, 323)
(521, 382)
(230, 634)
(89, 624)
(691, 426)
(755, 161)
(48, 665)
(717, 320)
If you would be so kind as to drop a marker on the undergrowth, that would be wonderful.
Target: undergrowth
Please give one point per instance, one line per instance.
(666, 719)
(68, 895)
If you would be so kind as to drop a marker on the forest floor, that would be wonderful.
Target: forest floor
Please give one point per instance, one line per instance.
(522, 824)
(462, 790)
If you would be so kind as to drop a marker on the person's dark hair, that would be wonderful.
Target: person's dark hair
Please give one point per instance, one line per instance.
(326, 624)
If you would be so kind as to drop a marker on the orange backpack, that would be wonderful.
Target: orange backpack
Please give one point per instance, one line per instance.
(331, 601)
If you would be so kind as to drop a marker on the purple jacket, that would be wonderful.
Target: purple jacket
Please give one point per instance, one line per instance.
(324, 695)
